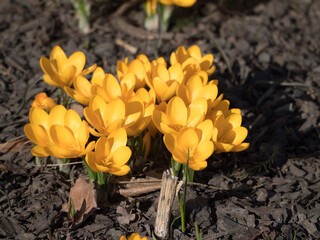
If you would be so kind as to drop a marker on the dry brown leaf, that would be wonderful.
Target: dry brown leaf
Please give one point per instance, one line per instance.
(84, 199)
(13, 146)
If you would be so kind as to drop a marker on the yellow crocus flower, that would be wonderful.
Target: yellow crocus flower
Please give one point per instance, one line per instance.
(134, 236)
(111, 89)
(228, 134)
(136, 67)
(82, 87)
(192, 61)
(197, 87)
(43, 101)
(180, 3)
(108, 117)
(61, 133)
(60, 70)
(111, 154)
(193, 141)
(177, 115)
(165, 81)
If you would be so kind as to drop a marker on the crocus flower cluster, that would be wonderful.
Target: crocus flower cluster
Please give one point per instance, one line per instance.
(143, 98)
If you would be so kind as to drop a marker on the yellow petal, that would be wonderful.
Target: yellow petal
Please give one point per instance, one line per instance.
(93, 119)
(119, 138)
(98, 76)
(78, 60)
(37, 134)
(56, 116)
(115, 110)
(235, 136)
(82, 133)
(206, 62)
(67, 75)
(58, 58)
(170, 141)
(38, 116)
(204, 151)
(62, 136)
(47, 67)
(39, 151)
(122, 171)
(48, 79)
(187, 139)
(83, 85)
(206, 128)
(162, 72)
(121, 156)
(241, 147)
(195, 52)
(91, 161)
(181, 55)
(177, 111)
(160, 121)
(197, 110)
(197, 166)
(223, 147)
(235, 120)
(89, 70)
(176, 72)
(72, 120)
(112, 86)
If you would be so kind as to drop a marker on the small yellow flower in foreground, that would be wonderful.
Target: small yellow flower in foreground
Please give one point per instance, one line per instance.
(61, 133)
(60, 70)
(111, 154)
(195, 140)
(108, 117)
(196, 88)
(165, 81)
(134, 236)
(192, 61)
(82, 87)
(228, 135)
(43, 101)
(180, 3)
(151, 7)
(177, 115)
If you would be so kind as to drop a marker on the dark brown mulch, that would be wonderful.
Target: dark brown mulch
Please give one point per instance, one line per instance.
(270, 191)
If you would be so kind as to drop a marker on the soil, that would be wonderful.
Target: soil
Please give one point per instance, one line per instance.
(267, 55)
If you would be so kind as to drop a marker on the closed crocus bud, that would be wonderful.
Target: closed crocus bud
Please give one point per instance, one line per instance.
(111, 154)
(191, 146)
(180, 3)
(134, 236)
(43, 101)
(60, 70)
(192, 61)
(61, 133)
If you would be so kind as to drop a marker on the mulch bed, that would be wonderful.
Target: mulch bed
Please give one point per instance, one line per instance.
(267, 55)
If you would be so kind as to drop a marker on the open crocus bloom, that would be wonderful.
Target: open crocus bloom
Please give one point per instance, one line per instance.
(228, 135)
(43, 101)
(111, 154)
(180, 3)
(111, 89)
(196, 88)
(137, 67)
(60, 70)
(82, 87)
(177, 115)
(192, 61)
(108, 117)
(134, 236)
(165, 81)
(194, 142)
(61, 133)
